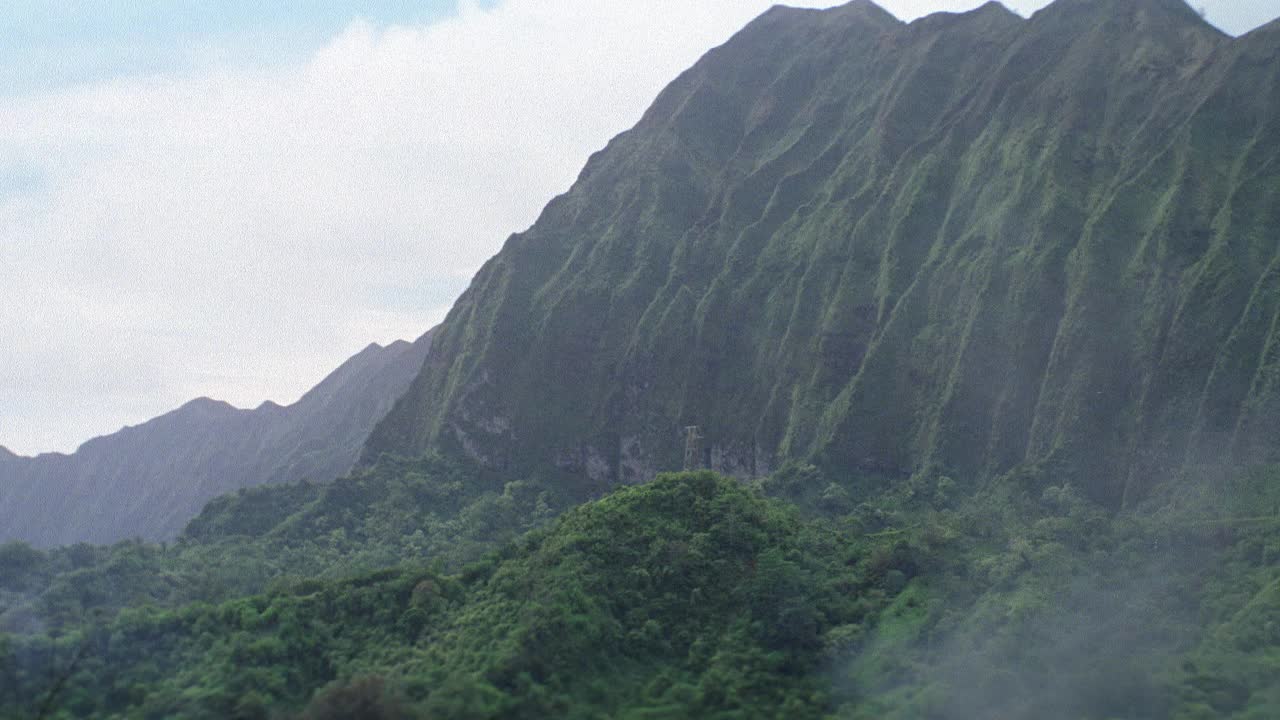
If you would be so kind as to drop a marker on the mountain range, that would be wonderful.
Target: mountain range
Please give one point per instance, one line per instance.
(978, 317)
(966, 244)
(147, 481)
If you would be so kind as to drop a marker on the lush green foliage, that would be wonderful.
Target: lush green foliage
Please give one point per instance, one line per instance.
(691, 596)
(696, 596)
(1036, 602)
(396, 512)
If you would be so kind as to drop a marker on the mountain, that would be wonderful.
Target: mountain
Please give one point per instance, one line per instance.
(988, 304)
(963, 245)
(148, 481)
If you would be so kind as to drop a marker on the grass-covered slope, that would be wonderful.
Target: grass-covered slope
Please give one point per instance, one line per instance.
(970, 242)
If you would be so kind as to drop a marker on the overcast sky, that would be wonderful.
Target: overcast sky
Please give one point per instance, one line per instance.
(225, 199)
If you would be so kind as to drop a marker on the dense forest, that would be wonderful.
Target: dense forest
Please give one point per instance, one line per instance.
(694, 595)
(977, 319)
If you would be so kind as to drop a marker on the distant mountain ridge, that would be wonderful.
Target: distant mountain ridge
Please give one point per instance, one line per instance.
(149, 480)
(962, 245)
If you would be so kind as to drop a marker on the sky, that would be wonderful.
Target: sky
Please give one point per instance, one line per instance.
(228, 199)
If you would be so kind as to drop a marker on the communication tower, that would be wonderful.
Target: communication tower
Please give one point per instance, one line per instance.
(692, 447)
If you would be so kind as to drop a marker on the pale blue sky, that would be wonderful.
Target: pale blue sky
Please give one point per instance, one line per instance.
(1238, 16)
(48, 44)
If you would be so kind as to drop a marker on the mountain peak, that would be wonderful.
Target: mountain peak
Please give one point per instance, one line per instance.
(990, 13)
(206, 404)
(368, 351)
(864, 10)
(993, 7)
(1143, 12)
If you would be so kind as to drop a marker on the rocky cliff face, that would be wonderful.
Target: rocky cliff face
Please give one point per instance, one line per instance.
(148, 481)
(967, 243)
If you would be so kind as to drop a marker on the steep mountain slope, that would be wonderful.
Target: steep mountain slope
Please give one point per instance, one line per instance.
(967, 243)
(148, 481)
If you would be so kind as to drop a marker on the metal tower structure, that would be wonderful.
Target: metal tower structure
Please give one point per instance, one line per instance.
(692, 448)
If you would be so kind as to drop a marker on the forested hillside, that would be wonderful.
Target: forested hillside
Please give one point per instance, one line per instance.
(398, 512)
(691, 596)
(637, 600)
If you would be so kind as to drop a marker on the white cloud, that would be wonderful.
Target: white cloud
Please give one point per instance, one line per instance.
(238, 233)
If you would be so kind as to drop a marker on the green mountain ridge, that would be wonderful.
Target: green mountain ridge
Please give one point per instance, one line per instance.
(970, 242)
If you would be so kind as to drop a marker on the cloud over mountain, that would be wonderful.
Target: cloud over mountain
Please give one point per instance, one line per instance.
(236, 233)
